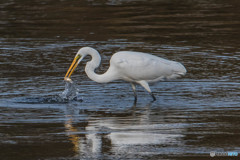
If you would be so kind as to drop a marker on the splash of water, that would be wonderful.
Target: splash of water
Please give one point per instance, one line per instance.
(70, 92)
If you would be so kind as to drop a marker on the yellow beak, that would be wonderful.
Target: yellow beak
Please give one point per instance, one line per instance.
(72, 68)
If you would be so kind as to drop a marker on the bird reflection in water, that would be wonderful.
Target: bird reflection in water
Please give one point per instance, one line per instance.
(74, 138)
(124, 134)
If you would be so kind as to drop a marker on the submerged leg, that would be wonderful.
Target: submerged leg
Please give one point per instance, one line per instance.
(154, 98)
(146, 86)
(134, 91)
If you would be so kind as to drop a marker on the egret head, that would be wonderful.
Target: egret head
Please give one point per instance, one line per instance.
(83, 52)
(79, 56)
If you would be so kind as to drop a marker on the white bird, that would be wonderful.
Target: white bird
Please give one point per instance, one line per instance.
(134, 67)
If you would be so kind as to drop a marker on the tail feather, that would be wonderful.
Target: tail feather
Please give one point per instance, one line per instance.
(177, 71)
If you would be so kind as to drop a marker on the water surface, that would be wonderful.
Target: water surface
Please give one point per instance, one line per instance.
(192, 116)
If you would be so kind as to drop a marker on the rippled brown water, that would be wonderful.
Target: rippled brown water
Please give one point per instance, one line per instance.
(192, 116)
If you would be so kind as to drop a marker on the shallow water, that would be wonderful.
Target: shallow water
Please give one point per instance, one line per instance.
(192, 116)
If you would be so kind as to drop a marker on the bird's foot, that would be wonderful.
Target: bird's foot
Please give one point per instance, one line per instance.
(154, 98)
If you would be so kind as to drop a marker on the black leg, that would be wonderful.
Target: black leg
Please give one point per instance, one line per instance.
(154, 98)
(135, 99)
(135, 93)
(135, 96)
(146, 86)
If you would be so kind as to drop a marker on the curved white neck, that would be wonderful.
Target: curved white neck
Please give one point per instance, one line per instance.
(93, 64)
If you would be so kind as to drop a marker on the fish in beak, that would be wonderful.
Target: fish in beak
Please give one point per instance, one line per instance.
(72, 68)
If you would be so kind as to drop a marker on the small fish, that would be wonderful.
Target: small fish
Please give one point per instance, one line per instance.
(68, 80)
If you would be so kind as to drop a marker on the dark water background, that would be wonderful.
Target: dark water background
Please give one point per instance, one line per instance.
(192, 116)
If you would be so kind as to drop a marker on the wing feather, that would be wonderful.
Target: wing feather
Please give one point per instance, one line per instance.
(138, 66)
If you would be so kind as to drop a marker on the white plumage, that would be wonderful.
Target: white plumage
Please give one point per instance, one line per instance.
(134, 67)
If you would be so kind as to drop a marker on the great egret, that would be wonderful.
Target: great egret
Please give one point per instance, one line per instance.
(134, 67)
